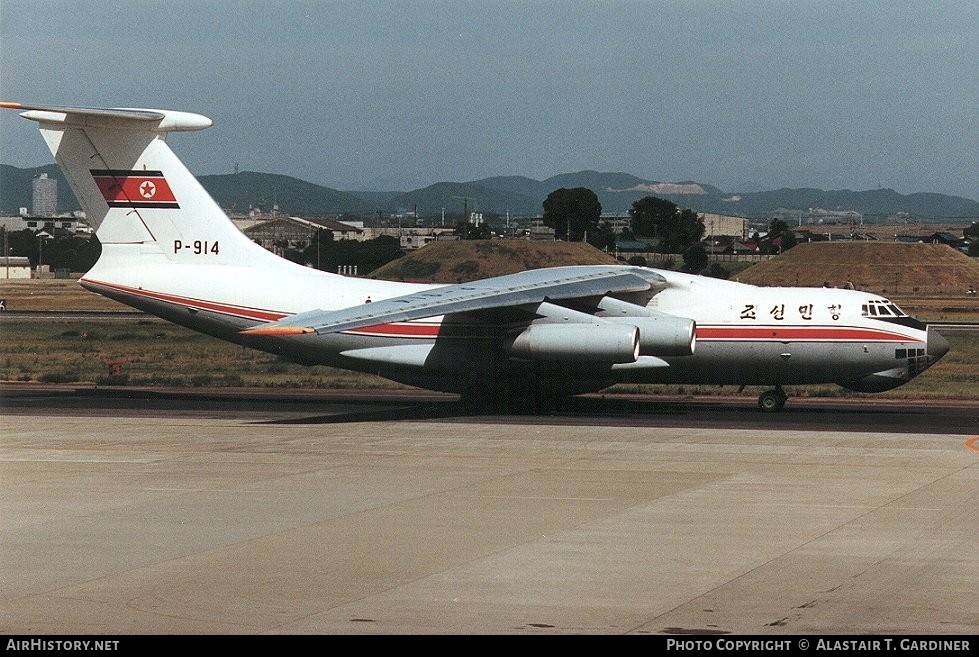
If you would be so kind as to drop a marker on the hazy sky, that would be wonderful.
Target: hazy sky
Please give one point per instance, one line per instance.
(745, 95)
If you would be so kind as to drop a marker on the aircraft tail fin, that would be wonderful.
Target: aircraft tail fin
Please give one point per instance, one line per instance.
(136, 193)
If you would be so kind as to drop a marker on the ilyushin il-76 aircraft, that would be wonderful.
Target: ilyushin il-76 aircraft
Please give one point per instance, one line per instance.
(168, 249)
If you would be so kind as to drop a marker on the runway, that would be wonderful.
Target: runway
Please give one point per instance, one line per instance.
(370, 513)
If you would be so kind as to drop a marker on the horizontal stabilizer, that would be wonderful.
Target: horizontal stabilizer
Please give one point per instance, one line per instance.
(141, 119)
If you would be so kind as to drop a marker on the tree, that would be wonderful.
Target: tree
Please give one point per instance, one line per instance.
(572, 212)
(715, 270)
(649, 213)
(971, 235)
(61, 251)
(23, 243)
(603, 237)
(777, 226)
(690, 229)
(328, 254)
(372, 254)
(71, 252)
(662, 220)
(780, 230)
(695, 258)
(467, 230)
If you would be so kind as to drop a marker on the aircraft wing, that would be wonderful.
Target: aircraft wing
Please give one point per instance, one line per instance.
(527, 287)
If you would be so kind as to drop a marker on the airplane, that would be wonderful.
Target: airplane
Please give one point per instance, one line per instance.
(522, 341)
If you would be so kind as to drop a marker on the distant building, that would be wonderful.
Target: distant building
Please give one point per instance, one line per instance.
(12, 223)
(631, 246)
(538, 231)
(617, 223)
(722, 225)
(416, 238)
(67, 223)
(45, 196)
(950, 239)
(15, 267)
(282, 232)
(727, 245)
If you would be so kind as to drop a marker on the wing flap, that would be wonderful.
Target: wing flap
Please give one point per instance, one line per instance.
(528, 287)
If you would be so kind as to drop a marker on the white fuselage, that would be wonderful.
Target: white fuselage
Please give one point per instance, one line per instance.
(745, 335)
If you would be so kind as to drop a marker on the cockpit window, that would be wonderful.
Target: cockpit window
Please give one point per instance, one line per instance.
(881, 308)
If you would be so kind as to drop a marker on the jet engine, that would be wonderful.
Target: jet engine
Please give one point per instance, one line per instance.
(660, 334)
(596, 343)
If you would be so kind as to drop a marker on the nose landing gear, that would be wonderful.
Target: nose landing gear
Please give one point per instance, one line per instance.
(772, 401)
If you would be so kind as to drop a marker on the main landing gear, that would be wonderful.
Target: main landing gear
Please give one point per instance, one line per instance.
(772, 401)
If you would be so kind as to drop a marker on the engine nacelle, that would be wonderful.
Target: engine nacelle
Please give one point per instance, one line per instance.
(594, 343)
(666, 335)
(660, 334)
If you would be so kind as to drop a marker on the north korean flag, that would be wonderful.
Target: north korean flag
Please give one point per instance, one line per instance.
(134, 189)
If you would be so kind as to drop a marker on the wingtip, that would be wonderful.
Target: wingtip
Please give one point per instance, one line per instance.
(277, 330)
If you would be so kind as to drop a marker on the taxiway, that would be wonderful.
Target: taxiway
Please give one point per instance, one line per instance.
(365, 514)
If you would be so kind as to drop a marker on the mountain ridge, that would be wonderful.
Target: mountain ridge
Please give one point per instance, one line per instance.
(519, 195)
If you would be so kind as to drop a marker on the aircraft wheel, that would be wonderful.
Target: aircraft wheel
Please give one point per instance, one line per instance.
(772, 401)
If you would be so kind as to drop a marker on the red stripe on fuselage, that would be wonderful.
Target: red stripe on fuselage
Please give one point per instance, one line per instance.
(200, 304)
(799, 333)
